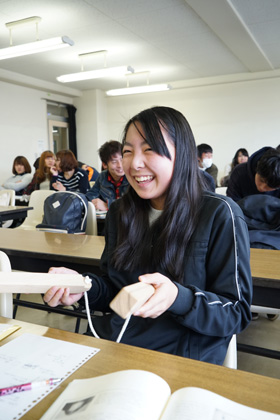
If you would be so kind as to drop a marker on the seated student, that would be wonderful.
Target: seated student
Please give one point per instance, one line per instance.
(260, 175)
(111, 182)
(67, 176)
(191, 245)
(22, 175)
(205, 162)
(43, 175)
(92, 172)
(241, 156)
(208, 181)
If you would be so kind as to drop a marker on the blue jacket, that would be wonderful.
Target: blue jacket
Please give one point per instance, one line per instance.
(213, 301)
(105, 190)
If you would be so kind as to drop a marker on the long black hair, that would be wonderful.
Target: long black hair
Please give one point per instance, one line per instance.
(163, 245)
(235, 162)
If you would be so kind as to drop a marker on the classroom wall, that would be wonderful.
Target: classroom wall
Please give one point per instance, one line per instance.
(226, 115)
(92, 126)
(23, 122)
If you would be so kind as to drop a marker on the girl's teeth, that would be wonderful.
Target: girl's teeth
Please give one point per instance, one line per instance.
(143, 178)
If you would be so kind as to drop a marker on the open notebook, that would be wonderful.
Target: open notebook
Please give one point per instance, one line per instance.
(31, 358)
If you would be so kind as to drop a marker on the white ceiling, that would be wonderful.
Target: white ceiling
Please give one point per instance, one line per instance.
(176, 40)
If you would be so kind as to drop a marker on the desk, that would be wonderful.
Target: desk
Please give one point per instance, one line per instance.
(31, 250)
(246, 388)
(13, 212)
(37, 251)
(265, 267)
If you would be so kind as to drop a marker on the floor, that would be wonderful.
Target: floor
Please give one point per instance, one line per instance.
(261, 333)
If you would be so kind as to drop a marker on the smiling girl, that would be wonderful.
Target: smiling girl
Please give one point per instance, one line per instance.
(168, 231)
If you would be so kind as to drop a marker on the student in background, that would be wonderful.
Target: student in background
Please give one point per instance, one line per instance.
(205, 161)
(241, 156)
(43, 175)
(191, 245)
(260, 175)
(92, 172)
(111, 182)
(67, 176)
(21, 175)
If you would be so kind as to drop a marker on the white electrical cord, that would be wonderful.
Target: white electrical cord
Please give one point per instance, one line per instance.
(89, 317)
(91, 326)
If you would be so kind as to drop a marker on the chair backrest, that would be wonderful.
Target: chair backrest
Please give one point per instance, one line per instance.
(231, 356)
(221, 190)
(91, 228)
(35, 216)
(7, 198)
(6, 299)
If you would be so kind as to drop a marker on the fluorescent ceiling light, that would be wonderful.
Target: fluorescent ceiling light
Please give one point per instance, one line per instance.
(35, 47)
(95, 74)
(138, 89)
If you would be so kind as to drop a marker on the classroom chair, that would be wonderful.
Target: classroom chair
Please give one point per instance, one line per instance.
(91, 228)
(6, 299)
(35, 216)
(221, 190)
(7, 198)
(231, 356)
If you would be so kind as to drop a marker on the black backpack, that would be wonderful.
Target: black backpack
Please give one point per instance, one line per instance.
(65, 211)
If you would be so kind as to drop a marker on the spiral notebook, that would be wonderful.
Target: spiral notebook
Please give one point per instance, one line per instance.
(31, 358)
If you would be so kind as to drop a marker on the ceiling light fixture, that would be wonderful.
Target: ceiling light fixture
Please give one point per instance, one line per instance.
(32, 47)
(139, 89)
(95, 74)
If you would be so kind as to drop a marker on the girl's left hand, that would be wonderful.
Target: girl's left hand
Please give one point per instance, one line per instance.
(165, 294)
(58, 186)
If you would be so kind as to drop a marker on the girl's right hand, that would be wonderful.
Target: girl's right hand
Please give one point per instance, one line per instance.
(59, 296)
(54, 171)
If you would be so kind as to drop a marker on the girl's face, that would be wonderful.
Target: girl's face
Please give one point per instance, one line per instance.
(49, 161)
(57, 164)
(241, 158)
(148, 173)
(19, 168)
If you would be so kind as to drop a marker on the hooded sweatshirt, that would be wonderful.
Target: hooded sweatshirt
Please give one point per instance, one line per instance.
(242, 180)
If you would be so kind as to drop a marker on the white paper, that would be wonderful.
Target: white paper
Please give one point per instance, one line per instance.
(124, 395)
(201, 404)
(31, 358)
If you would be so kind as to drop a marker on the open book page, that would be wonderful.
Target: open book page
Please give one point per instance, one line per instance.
(200, 404)
(124, 395)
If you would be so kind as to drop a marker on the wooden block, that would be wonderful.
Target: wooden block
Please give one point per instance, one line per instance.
(131, 298)
(25, 282)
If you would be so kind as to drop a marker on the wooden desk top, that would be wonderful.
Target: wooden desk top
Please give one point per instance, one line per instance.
(265, 264)
(246, 388)
(13, 209)
(32, 241)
